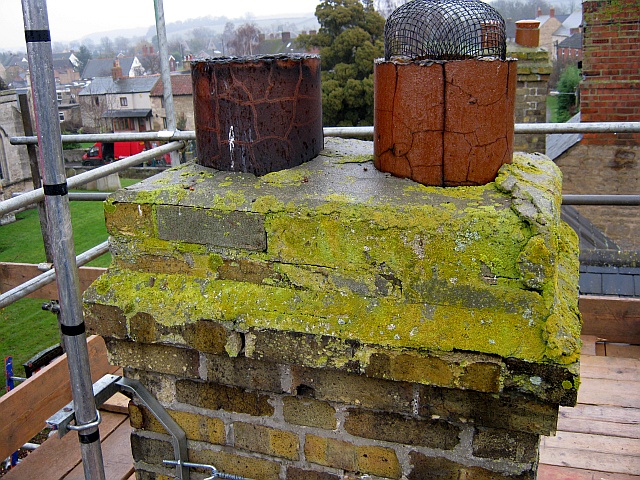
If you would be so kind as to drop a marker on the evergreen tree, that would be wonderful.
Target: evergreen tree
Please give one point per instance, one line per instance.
(349, 40)
(567, 89)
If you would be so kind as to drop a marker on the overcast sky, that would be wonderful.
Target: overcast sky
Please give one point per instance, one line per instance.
(73, 19)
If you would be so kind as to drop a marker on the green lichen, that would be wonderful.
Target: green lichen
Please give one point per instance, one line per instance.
(355, 159)
(433, 269)
(230, 201)
(109, 205)
(282, 178)
(267, 204)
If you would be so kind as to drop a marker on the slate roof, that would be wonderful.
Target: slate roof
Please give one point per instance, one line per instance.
(591, 238)
(574, 41)
(604, 269)
(106, 85)
(558, 143)
(64, 60)
(181, 84)
(610, 272)
(101, 67)
(132, 113)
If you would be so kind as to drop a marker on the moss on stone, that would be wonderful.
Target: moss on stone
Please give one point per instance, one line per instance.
(487, 269)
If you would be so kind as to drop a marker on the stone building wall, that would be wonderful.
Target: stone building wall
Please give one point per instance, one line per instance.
(14, 160)
(592, 169)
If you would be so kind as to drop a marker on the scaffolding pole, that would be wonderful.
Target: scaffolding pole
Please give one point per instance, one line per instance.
(70, 318)
(166, 75)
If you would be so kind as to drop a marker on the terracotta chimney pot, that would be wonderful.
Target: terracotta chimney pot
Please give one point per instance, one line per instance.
(528, 33)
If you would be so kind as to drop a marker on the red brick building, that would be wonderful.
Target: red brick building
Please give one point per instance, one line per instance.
(610, 91)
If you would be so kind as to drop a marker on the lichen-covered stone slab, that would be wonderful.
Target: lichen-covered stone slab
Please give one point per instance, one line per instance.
(353, 254)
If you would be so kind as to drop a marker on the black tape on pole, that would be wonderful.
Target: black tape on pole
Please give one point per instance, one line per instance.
(90, 438)
(73, 330)
(59, 189)
(37, 36)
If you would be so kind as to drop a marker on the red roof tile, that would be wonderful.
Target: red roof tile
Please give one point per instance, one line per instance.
(180, 85)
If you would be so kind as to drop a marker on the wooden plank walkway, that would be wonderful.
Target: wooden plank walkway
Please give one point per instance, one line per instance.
(599, 439)
(60, 458)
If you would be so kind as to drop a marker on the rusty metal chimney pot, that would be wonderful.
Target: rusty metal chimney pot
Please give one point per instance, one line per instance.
(257, 114)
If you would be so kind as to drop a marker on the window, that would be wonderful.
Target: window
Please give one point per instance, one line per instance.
(61, 116)
(97, 101)
(59, 96)
(123, 101)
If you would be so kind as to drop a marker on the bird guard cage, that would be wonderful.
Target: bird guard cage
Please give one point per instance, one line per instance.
(445, 30)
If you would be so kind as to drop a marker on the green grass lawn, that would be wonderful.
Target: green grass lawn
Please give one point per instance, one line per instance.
(25, 329)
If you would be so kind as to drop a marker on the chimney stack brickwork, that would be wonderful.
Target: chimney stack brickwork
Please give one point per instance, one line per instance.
(610, 91)
(331, 321)
(534, 70)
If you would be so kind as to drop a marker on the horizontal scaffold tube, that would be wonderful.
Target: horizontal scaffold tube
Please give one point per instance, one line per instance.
(347, 132)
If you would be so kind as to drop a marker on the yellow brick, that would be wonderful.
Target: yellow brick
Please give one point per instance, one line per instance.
(269, 441)
(196, 427)
(378, 461)
(330, 452)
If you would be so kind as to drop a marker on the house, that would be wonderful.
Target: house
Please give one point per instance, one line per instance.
(65, 67)
(150, 60)
(117, 103)
(570, 48)
(556, 28)
(182, 89)
(101, 67)
(549, 24)
(68, 105)
(16, 71)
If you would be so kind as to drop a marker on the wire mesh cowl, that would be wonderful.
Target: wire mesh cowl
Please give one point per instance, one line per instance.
(445, 30)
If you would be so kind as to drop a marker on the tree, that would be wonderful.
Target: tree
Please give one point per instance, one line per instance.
(350, 39)
(567, 93)
(83, 55)
(200, 38)
(246, 38)
(3, 85)
(107, 49)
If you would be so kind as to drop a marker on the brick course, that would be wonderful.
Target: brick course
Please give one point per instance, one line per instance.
(611, 66)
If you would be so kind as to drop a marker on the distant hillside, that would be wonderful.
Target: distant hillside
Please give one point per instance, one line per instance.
(272, 24)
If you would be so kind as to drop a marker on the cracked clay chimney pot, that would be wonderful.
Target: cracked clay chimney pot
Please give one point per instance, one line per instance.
(444, 95)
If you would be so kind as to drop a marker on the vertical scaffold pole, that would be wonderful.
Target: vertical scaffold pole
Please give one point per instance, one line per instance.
(70, 317)
(163, 51)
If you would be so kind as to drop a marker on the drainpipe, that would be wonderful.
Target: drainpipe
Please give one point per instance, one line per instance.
(69, 310)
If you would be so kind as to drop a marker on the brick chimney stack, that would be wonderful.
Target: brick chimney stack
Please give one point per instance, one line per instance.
(539, 12)
(552, 12)
(116, 71)
(611, 69)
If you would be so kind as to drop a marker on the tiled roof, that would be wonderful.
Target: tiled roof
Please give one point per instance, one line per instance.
(590, 236)
(180, 85)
